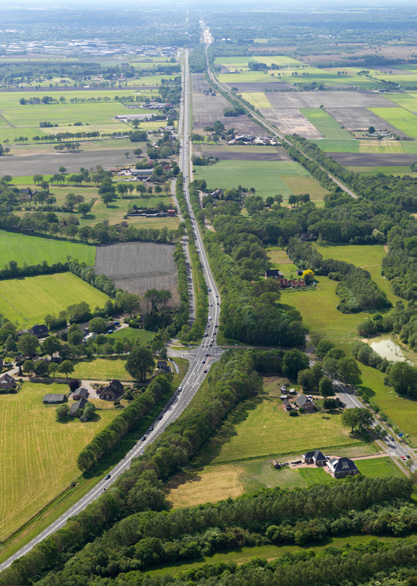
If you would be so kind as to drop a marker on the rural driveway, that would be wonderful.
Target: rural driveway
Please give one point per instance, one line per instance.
(48, 163)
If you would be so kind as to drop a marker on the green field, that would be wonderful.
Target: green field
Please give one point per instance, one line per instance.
(400, 118)
(264, 176)
(407, 100)
(387, 170)
(101, 369)
(337, 146)
(325, 124)
(409, 147)
(26, 301)
(379, 146)
(33, 250)
(281, 60)
(38, 454)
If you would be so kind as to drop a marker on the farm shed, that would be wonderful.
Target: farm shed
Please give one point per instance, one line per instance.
(55, 399)
(77, 407)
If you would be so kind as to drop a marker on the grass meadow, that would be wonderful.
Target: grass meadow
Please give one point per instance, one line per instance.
(33, 250)
(244, 555)
(378, 468)
(26, 301)
(38, 454)
(325, 124)
(264, 176)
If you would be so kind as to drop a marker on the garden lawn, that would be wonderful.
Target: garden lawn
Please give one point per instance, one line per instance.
(402, 119)
(38, 455)
(402, 412)
(378, 468)
(133, 334)
(264, 176)
(325, 124)
(34, 250)
(26, 301)
(101, 369)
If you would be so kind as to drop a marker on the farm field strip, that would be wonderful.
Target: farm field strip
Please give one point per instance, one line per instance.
(325, 124)
(337, 146)
(257, 99)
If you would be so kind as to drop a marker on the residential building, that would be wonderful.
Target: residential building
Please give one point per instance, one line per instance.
(341, 467)
(80, 393)
(111, 392)
(314, 457)
(77, 407)
(7, 382)
(40, 331)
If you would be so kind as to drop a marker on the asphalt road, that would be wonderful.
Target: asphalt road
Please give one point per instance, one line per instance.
(389, 444)
(201, 359)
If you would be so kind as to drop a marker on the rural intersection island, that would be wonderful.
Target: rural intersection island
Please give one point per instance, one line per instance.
(208, 300)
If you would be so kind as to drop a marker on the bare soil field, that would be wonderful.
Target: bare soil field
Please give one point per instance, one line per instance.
(393, 70)
(342, 99)
(208, 109)
(291, 121)
(251, 86)
(45, 163)
(139, 266)
(360, 119)
(243, 154)
(389, 51)
(199, 82)
(373, 159)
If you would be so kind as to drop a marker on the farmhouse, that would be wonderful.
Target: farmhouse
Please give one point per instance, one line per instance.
(80, 393)
(55, 399)
(7, 382)
(111, 392)
(40, 331)
(315, 457)
(303, 402)
(287, 405)
(77, 407)
(341, 467)
(163, 365)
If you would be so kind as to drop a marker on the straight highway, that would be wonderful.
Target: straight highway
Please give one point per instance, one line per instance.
(201, 361)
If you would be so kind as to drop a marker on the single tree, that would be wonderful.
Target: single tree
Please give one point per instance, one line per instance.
(51, 345)
(28, 345)
(62, 412)
(129, 302)
(41, 367)
(28, 367)
(139, 363)
(66, 367)
(97, 325)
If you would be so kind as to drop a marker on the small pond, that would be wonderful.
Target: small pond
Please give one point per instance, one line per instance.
(388, 349)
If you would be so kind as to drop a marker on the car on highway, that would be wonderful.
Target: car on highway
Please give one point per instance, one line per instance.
(160, 416)
(403, 457)
(107, 477)
(179, 389)
(144, 438)
(205, 370)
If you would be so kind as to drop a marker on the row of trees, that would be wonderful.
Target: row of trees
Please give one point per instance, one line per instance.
(108, 439)
(273, 516)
